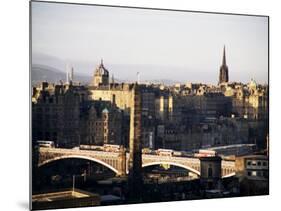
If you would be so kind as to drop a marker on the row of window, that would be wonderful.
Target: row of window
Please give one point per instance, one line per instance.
(97, 124)
(258, 173)
(256, 163)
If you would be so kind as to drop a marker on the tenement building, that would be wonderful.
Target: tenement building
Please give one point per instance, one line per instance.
(63, 114)
(56, 113)
(101, 123)
(253, 174)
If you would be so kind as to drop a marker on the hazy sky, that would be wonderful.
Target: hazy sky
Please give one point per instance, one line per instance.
(180, 46)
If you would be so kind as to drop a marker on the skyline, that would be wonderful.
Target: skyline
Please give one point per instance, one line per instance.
(168, 50)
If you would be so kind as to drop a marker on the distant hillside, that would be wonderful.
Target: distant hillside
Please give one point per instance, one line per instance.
(41, 73)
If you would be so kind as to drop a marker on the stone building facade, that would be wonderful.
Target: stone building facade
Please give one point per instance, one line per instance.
(63, 114)
(56, 113)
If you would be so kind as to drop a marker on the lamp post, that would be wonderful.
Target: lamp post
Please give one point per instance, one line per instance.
(73, 183)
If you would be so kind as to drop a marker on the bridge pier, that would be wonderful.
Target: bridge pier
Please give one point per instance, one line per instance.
(210, 172)
(122, 163)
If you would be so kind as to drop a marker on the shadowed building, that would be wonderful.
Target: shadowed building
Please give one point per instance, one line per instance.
(223, 78)
(55, 113)
(61, 113)
(253, 167)
(253, 174)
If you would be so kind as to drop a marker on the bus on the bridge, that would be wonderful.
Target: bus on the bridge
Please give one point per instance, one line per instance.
(49, 144)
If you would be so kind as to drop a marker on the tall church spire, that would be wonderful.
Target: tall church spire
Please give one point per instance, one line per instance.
(223, 77)
(223, 59)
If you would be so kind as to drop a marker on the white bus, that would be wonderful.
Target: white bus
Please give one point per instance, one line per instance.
(165, 152)
(48, 144)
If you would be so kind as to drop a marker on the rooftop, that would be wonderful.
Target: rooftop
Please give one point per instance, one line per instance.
(61, 195)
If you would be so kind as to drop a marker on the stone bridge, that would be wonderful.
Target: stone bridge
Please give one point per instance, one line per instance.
(117, 161)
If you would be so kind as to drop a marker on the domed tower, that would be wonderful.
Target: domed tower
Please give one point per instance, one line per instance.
(223, 78)
(101, 76)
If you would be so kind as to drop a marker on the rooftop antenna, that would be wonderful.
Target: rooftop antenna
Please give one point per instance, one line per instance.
(73, 183)
(138, 77)
(112, 79)
(223, 58)
(67, 73)
(72, 74)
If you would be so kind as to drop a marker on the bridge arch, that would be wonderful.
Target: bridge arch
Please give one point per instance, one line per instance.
(173, 164)
(79, 157)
